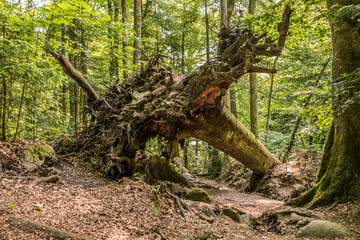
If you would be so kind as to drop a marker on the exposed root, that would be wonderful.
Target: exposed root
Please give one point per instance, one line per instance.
(57, 233)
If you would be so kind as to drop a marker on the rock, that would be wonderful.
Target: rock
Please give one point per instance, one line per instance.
(198, 194)
(177, 189)
(247, 219)
(37, 155)
(326, 229)
(302, 223)
(295, 218)
(231, 214)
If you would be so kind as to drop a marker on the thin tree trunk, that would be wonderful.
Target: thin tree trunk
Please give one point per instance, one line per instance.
(111, 39)
(298, 119)
(224, 15)
(207, 32)
(186, 152)
(116, 39)
(254, 105)
(20, 108)
(4, 109)
(125, 41)
(64, 87)
(230, 9)
(254, 122)
(84, 70)
(183, 53)
(137, 29)
(76, 98)
(4, 96)
(34, 115)
(269, 104)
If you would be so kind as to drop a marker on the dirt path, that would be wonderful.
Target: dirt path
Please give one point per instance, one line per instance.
(248, 203)
(253, 203)
(84, 204)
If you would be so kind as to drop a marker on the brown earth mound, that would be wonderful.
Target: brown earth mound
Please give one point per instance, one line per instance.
(283, 182)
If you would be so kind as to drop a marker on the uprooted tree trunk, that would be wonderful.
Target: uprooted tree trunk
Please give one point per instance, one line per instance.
(157, 102)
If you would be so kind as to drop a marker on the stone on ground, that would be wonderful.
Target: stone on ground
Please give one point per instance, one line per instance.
(198, 194)
(324, 229)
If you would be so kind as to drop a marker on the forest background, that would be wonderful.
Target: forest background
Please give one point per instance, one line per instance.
(101, 39)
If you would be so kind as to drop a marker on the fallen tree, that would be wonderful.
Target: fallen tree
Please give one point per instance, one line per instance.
(157, 102)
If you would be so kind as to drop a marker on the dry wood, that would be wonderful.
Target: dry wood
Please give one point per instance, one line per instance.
(75, 75)
(51, 179)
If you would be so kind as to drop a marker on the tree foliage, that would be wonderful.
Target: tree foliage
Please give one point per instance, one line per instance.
(86, 31)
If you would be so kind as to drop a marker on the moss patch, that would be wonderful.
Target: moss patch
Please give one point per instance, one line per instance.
(160, 169)
(37, 155)
(198, 194)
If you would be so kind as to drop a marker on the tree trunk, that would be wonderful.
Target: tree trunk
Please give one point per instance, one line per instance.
(223, 131)
(157, 102)
(84, 70)
(20, 108)
(125, 41)
(3, 131)
(137, 29)
(111, 39)
(186, 152)
(116, 39)
(269, 104)
(339, 173)
(254, 123)
(207, 32)
(4, 110)
(183, 52)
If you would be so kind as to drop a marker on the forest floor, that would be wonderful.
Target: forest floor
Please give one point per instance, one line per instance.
(84, 205)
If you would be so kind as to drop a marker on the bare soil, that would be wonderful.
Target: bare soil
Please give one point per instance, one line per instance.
(85, 205)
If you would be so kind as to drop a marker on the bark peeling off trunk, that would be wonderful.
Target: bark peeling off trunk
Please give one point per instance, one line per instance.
(157, 102)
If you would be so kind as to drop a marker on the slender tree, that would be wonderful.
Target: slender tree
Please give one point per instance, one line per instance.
(207, 32)
(253, 89)
(4, 106)
(269, 104)
(137, 29)
(20, 108)
(116, 38)
(125, 36)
